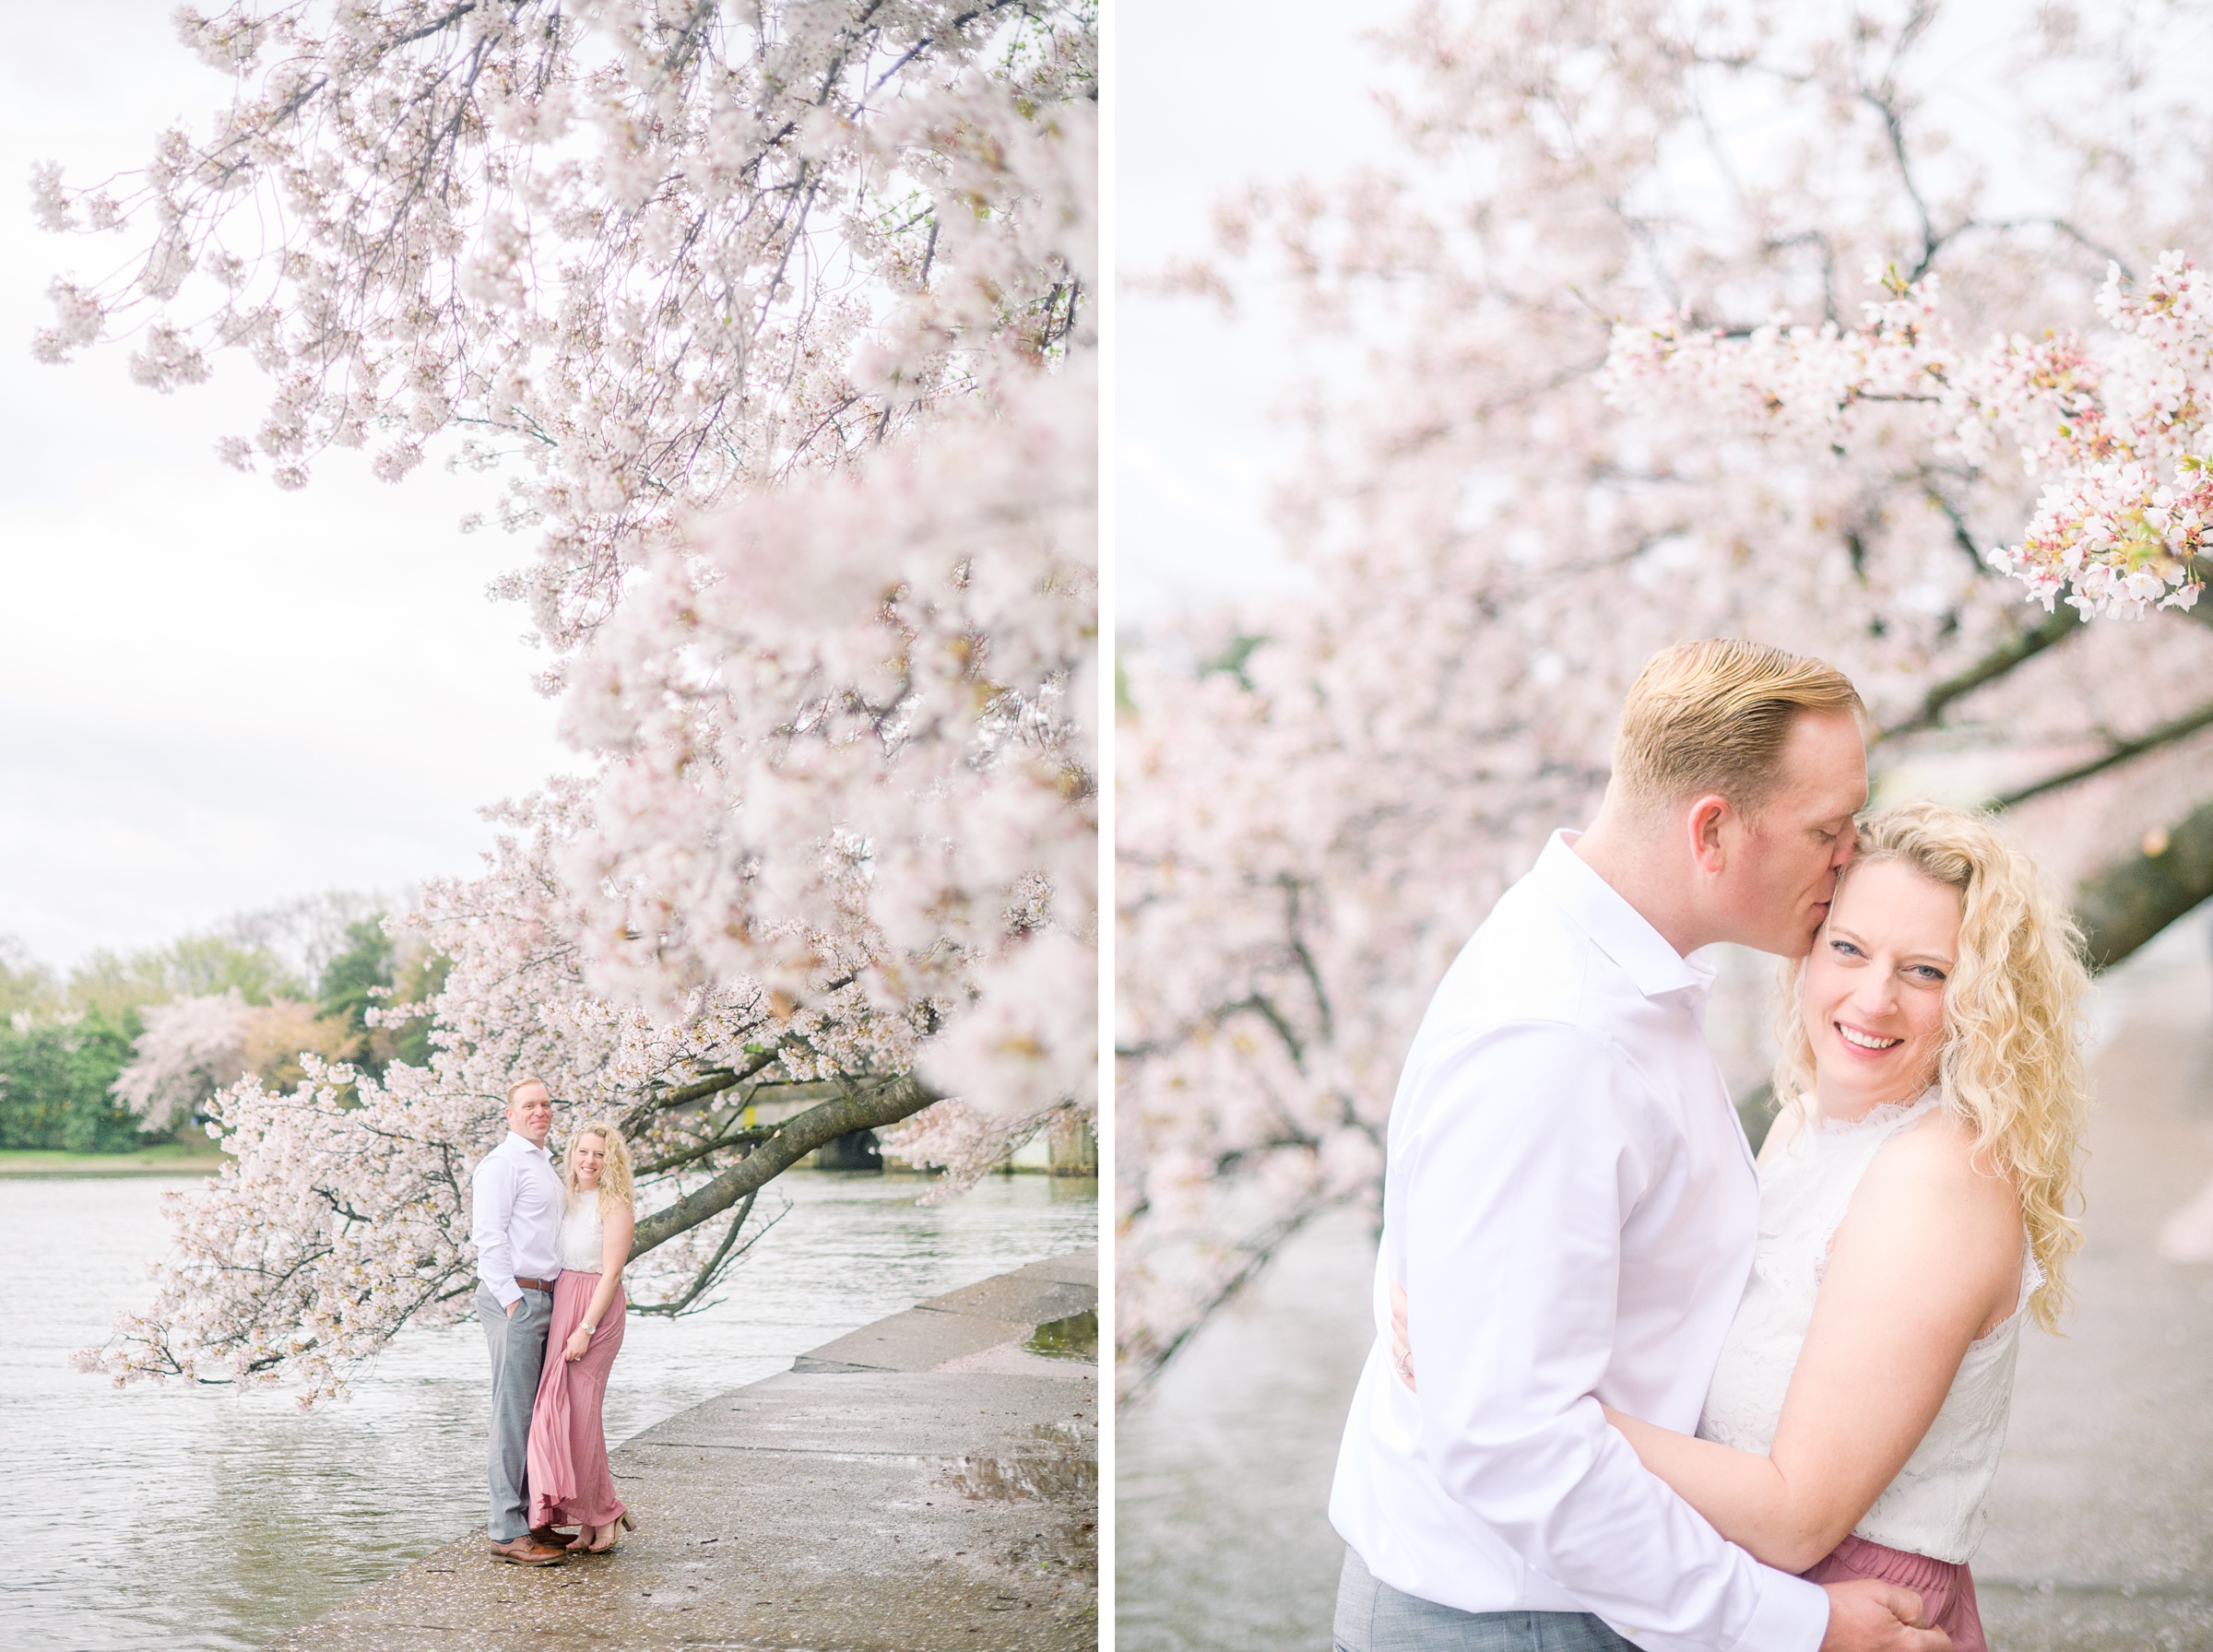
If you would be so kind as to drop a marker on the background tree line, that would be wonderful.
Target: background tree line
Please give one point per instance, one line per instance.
(245, 997)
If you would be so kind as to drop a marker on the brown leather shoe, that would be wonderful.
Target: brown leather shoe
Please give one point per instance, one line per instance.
(547, 1537)
(522, 1552)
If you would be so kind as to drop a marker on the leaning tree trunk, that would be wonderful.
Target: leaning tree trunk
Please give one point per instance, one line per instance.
(2124, 905)
(859, 1109)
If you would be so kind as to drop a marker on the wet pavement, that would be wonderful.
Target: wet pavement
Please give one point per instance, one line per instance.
(925, 1483)
(2101, 1519)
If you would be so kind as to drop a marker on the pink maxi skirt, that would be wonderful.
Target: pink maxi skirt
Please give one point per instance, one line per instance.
(1946, 1590)
(570, 1484)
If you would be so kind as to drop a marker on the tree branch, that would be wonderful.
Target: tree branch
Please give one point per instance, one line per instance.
(705, 1149)
(703, 1281)
(2120, 752)
(860, 1109)
(2055, 626)
(1148, 1361)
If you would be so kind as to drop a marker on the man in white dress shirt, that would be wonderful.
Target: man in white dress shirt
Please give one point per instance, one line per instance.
(515, 1200)
(1570, 1206)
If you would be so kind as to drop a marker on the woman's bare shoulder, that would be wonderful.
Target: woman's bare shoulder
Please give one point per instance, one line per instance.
(1937, 1166)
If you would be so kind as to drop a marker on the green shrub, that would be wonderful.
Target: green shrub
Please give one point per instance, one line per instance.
(55, 1081)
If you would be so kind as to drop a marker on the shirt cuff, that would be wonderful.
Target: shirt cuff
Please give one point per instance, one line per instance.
(507, 1291)
(1789, 1615)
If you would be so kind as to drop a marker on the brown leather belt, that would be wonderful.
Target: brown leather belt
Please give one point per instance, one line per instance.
(546, 1285)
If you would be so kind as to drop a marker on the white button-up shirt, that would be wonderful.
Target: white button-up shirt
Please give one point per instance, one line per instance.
(515, 1200)
(1571, 1206)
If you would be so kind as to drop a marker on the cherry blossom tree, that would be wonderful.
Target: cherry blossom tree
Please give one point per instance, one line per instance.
(195, 1045)
(191, 1048)
(343, 1216)
(776, 319)
(647, 255)
(1319, 799)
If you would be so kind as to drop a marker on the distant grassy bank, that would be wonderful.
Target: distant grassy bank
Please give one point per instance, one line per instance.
(164, 1159)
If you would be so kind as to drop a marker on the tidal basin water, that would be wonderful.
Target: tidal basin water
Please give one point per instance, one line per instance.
(196, 1518)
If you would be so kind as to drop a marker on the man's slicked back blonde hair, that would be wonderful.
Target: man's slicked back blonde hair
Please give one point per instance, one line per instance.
(1712, 719)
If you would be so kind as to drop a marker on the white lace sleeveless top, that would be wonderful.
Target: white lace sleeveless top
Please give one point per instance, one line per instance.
(1935, 1506)
(582, 1244)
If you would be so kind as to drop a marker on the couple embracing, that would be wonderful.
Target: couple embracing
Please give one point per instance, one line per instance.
(550, 1247)
(1630, 1386)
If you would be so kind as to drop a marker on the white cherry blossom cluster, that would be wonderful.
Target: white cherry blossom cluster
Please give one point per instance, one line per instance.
(850, 736)
(194, 1045)
(646, 255)
(2115, 427)
(191, 1048)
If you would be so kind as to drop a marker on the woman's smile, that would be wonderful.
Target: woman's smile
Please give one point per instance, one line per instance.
(1858, 1040)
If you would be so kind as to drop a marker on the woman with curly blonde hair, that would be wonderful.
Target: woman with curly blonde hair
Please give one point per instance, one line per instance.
(570, 1481)
(1914, 1200)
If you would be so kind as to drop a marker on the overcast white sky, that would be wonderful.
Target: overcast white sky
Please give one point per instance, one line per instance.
(1196, 442)
(213, 696)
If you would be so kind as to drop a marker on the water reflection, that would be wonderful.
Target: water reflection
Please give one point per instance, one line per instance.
(196, 1518)
(1057, 1467)
(1222, 1471)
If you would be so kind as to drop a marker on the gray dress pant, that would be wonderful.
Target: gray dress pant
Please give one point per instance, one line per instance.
(518, 1353)
(1374, 1617)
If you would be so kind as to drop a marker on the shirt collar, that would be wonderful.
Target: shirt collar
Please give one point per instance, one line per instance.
(1619, 930)
(517, 1138)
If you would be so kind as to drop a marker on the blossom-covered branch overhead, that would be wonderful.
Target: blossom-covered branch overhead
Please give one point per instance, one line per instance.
(2115, 428)
(641, 256)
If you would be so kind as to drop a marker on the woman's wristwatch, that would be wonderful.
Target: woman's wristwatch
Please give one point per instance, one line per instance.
(587, 1326)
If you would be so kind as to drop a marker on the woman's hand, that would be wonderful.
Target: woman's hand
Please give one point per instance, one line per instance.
(580, 1340)
(1402, 1345)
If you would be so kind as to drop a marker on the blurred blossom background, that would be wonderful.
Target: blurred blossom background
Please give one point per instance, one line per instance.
(1452, 387)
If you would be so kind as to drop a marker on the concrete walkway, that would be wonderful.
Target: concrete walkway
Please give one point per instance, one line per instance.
(2100, 1535)
(925, 1483)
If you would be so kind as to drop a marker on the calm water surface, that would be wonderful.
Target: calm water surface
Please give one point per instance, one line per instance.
(198, 1518)
(1221, 1532)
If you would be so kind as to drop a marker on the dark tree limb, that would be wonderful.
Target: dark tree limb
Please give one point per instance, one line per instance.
(718, 1079)
(2128, 902)
(1150, 1362)
(2021, 646)
(712, 1270)
(740, 1138)
(2166, 733)
(867, 1107)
